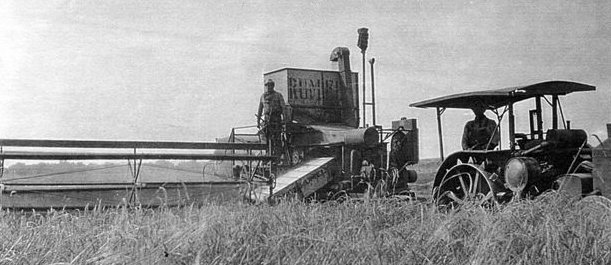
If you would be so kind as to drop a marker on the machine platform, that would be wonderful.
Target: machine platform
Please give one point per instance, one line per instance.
(304, 180)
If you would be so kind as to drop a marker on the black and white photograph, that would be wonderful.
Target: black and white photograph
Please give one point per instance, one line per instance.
(305, 132)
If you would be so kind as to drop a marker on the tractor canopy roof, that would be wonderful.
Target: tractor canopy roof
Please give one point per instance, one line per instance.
(496, 98)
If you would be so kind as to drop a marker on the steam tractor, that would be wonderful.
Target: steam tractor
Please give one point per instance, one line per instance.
(536, 161)
(325, 154)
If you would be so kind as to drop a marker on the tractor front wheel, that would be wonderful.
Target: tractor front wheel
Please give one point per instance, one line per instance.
(465, 183)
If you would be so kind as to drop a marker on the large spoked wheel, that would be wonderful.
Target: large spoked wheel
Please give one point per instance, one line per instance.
(462, 184)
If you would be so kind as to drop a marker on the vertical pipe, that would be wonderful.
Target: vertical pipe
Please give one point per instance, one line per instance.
(373, 93)
(362, 43)
(512, 128)
(554, 112)
(439, 132)
(232, 140)
(1, 165)
(539, 118)
(364, 104)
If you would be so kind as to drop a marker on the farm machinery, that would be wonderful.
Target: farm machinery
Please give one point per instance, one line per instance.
(325, 154)
(537, 161)
(328, 152)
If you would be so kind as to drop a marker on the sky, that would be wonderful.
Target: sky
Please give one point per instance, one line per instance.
(191, 70)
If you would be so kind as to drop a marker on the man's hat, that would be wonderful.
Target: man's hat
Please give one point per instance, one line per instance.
(270, 83)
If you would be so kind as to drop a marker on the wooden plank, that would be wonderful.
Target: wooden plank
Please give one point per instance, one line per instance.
(301, 175)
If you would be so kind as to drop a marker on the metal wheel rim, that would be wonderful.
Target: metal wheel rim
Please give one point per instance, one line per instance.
(460, 178)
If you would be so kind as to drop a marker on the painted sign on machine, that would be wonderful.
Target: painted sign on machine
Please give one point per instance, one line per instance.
(317, 97)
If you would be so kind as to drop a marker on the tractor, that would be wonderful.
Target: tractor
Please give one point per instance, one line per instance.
(536, 161)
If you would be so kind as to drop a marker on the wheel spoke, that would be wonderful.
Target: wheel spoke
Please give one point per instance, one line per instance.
(486, 198)
(464, 188)
(475, 185)
(453, 197)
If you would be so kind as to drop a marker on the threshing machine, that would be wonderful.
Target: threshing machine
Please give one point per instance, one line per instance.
(325, 153)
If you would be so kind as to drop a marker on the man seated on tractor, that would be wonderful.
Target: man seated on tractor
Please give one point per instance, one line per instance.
(271, 108)
(481, 133)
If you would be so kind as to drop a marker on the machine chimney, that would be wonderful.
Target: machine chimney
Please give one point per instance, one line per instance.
(609, 130)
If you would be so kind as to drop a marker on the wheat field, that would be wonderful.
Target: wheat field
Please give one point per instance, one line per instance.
(549, 230)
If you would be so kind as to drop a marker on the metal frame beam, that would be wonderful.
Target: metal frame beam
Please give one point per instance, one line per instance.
(129, 144)
(121, 156)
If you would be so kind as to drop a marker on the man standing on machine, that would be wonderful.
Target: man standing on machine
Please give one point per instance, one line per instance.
(271, 108)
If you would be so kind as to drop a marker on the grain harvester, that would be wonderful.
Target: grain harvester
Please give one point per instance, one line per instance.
(536, 161)
(325, 155)
(325, 152)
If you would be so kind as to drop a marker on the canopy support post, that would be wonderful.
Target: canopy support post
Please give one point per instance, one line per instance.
(555, 112)
(512, 128)
(439, 131)
(539, 118)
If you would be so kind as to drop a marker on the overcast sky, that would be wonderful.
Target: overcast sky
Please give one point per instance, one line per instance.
(191, 70)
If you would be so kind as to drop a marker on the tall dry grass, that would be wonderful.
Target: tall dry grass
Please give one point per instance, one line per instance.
(549, 230)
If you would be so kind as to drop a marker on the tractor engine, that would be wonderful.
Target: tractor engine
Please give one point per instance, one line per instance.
(540, 168)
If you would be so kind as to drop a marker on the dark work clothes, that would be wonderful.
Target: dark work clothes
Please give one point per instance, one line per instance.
(271, 103)
(271, 107)
(477, 134)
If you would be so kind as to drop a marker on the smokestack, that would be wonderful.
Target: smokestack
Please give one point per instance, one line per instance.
(608, 130)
